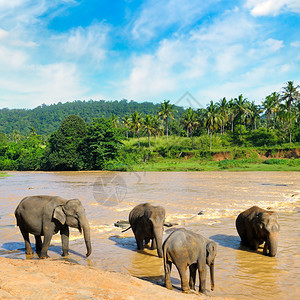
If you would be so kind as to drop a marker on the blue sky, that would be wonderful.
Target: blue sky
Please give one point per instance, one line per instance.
(57, 51)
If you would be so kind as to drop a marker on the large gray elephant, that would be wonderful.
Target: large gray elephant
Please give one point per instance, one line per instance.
(256, 226)
(45, 216)
(147, 223)
(185, 248)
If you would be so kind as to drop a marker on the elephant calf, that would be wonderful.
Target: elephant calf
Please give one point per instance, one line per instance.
(256, 226)
(45, 216)
(147, 223)
(185, 248)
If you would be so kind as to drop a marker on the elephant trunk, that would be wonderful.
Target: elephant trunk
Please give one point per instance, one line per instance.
(273, 243)
(212, 275)
(86, 232)
(158, 232)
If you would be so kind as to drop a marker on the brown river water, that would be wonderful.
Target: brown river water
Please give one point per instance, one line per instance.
(218, 196)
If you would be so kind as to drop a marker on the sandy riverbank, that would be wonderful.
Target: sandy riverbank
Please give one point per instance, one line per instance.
(50, 279)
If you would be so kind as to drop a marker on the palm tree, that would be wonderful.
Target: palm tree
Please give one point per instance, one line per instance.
(157, 127)
(231, 112)
(290, 94)
(223, 107)
(115, 120)
(148, 126)
(190, 123)
(270, 106)
(212, 120)
(242, 107)
(255, 111)
(137, 124)
(32, 131)
(166, 111)
(127, 123)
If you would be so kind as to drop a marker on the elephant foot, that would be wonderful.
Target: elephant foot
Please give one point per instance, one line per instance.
(29, 252)
(65, 253)
(44, 255)
(169, 286)
(187, 291)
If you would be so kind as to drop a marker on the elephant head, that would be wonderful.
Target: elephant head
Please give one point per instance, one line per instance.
(157, 217)
(211, 251)
(267, 228)
(72, 213)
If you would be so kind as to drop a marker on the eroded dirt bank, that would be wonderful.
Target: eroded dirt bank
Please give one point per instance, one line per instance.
(50, 279)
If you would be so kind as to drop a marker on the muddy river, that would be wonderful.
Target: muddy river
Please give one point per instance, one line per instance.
(205, 202)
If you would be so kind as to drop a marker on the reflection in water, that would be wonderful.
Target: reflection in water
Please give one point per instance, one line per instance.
(206, 203)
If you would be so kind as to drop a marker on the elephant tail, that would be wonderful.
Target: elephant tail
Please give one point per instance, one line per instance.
(126, 229)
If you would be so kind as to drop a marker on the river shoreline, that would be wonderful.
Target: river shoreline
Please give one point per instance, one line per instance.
(52, 279)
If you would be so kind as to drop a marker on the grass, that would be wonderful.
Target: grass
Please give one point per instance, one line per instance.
(177, 155)
(3, 174)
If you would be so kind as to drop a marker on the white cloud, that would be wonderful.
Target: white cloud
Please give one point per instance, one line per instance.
(157, 16)
(272, 7)
(88, 43)
(37, 84)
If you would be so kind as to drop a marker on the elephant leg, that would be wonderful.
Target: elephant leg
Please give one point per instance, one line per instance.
(64, 232)
(193, 269)
(38, 243)
(184, 281)
(48, 233)
(168, 268)
(139, 237)
(25, 234)
(147, 241)
(153, 244)
(202, 278)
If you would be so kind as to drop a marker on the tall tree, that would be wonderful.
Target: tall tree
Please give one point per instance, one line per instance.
(126, 123)
(190, 123)
(212, 121)
(290, 94)
(148, 126)
(63, 153)
(166, 111)
(157, 127)
(137, 124)
(223, 107)
(255, 111)
(242, 108)
(269, 106)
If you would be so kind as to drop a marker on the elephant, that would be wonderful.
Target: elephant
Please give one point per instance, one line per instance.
(46, 215)
(256, 226)
(186, 248)
(147, 223)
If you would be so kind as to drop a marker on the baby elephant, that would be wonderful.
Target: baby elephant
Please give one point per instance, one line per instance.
(185, 248)
(45, 216)
(256, 226)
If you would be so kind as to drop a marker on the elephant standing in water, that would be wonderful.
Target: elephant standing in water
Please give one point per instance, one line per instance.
(45, 216)
(185, 248)
(147, 223)
(256, 226)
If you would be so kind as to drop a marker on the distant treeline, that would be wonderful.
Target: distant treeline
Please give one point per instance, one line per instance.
(45, 119)
(101, 134)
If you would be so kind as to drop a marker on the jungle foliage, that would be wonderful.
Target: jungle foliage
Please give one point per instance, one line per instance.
(119, 135)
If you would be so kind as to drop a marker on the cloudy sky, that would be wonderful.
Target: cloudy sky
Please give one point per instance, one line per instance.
(63, 50)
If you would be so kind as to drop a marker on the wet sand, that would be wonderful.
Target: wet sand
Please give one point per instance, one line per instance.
(50, 279)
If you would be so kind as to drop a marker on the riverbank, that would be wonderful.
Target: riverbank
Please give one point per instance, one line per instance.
(176, 157)
(60, 279)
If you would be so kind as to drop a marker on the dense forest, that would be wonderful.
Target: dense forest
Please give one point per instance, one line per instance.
(105, 135)
(45, 119)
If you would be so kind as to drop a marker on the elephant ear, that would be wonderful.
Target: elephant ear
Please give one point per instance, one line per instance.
(210, 252)
(59, 215)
